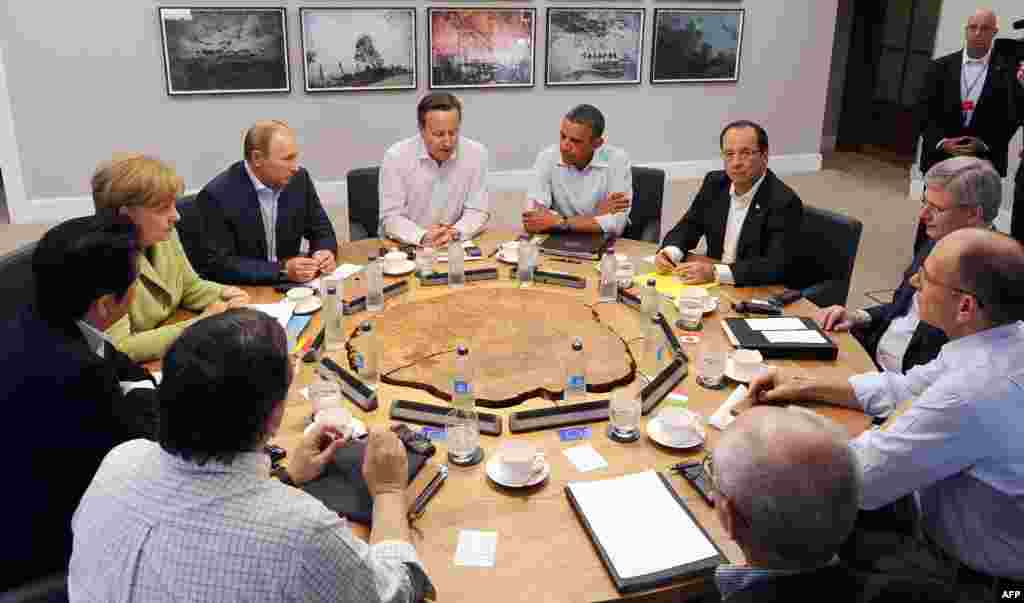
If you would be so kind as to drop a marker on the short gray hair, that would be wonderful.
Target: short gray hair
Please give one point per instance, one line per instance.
(971, 181)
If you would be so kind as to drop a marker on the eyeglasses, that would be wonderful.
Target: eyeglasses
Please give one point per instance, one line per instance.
(937, 211)
(744, 154)
(922, 275)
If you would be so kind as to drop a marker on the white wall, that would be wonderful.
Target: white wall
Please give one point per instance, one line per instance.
(85, 79)
(10, 160)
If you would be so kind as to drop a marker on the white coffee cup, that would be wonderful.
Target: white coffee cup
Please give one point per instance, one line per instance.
(679, 424)
(510, 251)
(746, 364)
(336, 417)
(395, 260)
(518, 460)
(302, 296)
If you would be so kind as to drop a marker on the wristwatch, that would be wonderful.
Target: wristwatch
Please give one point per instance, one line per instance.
(562, 226)
(282, 270)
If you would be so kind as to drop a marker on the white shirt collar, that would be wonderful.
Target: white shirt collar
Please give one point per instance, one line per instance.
(256, 183)
(94, 338)
(983, 60)
(743, 201)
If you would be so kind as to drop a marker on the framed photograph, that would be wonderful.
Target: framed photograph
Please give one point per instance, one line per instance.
(369, 48)
(696, 45)
(594, 46)
(481, 47)
(225, 50)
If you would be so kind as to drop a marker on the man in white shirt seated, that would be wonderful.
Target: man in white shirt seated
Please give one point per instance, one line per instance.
(962, 192)
(582, 184)
(954, 439)
(748, 217)
(433, 186)
(197, 517)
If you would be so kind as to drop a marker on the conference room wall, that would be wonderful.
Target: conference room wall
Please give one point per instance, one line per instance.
(86, 79)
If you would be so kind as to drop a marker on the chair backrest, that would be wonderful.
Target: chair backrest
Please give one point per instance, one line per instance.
(49, 589)
(363, 202)
(17, 281)
(190, 231)
(645, 214)
(825, 253)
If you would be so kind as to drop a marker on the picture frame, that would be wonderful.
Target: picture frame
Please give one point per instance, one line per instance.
(594, 45)
(225, 50)
(696, 45)
(481, 47)
(348, 49)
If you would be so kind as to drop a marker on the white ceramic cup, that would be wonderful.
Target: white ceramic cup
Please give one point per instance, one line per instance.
(302, 296)
(510, 251)
(679, 424)
(394, 260)
(337, 417)
(518, 460)
(746, 364)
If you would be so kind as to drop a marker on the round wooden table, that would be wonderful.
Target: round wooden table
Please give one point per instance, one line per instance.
(543, 552)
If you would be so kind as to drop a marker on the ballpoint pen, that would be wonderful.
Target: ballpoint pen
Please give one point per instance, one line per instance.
(424, 497)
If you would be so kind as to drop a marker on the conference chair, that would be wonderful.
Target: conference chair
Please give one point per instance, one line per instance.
(49, 589)
(822, 262)
(363, 202)
(190, 231)
(645, 214)
(17, 281)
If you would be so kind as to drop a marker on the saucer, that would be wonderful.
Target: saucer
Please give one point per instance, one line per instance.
(656, 433)
(406, 267)
(312, 305)
(502, 257)
(730, 371)
(494, 472)
(358, 428)
(710, 305)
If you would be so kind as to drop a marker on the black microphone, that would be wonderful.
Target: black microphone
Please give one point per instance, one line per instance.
(1018, 24)
(786, 297)
(757, 307)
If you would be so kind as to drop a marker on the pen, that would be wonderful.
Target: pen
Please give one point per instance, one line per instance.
(301, 343)
(567, 261)
(424, 497)
(310, 354)
(669, 260)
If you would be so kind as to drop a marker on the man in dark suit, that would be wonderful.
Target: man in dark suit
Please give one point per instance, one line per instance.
(72, 394)
(747, 215)
(1017, 218)
(255, 213)
(961, 192)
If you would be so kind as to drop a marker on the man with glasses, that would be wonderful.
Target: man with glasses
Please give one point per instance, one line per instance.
(954, 439)
(747, 215)
(961, 192)
(786, 489)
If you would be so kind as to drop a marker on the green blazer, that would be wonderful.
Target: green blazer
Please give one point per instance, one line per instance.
(166, 281)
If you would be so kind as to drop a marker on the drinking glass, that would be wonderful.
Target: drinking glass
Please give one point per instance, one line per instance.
(425, 261)
(691, 309)
(527, 263)
(624, 412)
(711, 370)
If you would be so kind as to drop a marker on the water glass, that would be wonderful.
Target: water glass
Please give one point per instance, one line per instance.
(711, 370)
(691, 309)
(463, 435)
(527, 263)
(425, 262)
(324, 394)
(624, 412)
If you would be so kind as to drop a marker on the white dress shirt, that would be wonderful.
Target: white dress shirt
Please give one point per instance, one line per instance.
(894, 342)
(973, 73)
(958, 445)
(417, 193)
(96, 340)
(268, 210)
(575, 192)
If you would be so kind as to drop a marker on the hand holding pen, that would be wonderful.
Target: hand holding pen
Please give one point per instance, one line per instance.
(325, 261)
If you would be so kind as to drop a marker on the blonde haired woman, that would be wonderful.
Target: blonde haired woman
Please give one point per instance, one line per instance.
(145, 190)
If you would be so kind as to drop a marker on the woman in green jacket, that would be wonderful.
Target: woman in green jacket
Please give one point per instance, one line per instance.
(145, 189)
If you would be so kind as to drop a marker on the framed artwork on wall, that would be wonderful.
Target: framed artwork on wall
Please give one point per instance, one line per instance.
(481, 47)
(696, 45)
(594, 46)
(368, 48)
(224, 50)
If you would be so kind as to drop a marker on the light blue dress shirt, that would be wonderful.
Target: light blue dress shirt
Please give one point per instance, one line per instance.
(574, 192)
(268, 209)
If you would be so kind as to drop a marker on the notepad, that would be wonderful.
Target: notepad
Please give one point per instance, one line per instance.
(783, 337)
(341, 272)
(669, 284)
(281, 311)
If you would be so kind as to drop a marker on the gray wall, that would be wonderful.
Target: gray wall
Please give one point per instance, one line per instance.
(85, 79)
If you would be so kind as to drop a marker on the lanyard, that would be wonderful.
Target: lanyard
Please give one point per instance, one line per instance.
(965, 89)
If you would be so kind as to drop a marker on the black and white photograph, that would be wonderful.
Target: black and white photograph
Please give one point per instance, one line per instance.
(594, 46)
(696, 45)
(481, 47)
(346, 49)
(225, 50)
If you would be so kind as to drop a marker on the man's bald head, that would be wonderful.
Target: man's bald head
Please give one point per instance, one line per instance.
(991, 266)
(791, 475)
(981, 29)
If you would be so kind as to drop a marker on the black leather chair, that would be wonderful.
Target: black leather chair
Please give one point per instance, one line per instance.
(190, 231)
(363, 203)
(17, 281)
(49, 589)
(822, 263)
(645, 215)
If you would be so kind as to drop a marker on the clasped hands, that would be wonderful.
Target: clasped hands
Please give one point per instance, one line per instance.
(439, 235)
(542, 219)
(230, 297)
(385, 465)
(695, 272)
(302, 269)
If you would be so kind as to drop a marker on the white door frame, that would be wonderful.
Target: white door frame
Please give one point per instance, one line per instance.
(10, 159)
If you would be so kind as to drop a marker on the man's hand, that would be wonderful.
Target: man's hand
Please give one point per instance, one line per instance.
(325, 261)
(615, 203)
(315, 450)
(540, 220)
(837, 318)
(770, 387)
(963, 145)
(1020, 73)
(663, 263)
(696, 273)
(235, 296)
(301, 270)
(214, 308)
(385, 466)
(438, 235)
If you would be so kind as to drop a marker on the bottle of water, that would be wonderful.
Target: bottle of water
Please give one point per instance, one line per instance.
(366, 356)
(655, 347)
(332, 314)
(375, 283)
(576, 373)
(608, 290)
(650, 299)
(463, 425)
(456, 264)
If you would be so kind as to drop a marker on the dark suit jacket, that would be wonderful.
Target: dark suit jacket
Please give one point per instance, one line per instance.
(773, 222)
(840, 584)
(939, 115)
(65, 411)
(926, 341)
(235, 246)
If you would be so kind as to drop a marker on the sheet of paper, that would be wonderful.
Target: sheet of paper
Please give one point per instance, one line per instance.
(776, 324)
(804, 336)
(668, 284)
(723, 417)
(476, 548)
(343, 271)
(649, 259)
(585, 458)
(282, 311)
(661, 537)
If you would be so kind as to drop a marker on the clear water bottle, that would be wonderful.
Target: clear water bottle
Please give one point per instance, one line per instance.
(576, 373)
(655, 354)
(608, 290)
(463, 425)
(456, 264)
(366, 356)
(332, 292)
(650, 299)
(375, 283)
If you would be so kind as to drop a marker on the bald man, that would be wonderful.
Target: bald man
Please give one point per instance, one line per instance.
(786, 488)
(954, 438)
(257, 213)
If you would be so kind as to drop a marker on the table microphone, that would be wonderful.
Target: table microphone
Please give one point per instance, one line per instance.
(786, 297)
(756, 306)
